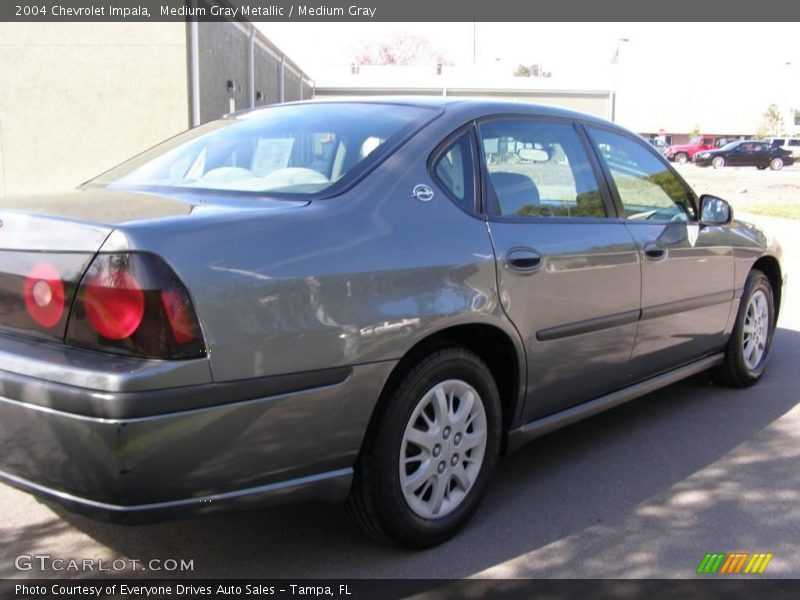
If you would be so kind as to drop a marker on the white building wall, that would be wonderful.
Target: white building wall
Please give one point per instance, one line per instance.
(78, 98)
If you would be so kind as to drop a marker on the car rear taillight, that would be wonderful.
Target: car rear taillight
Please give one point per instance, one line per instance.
(133, 303)
(114, 303)
(37, 289)
(43, 293)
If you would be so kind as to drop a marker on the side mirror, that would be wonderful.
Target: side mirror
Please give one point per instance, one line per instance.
(714, 211)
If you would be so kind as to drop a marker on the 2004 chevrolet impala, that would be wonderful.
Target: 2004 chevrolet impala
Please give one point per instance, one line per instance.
(362, 300)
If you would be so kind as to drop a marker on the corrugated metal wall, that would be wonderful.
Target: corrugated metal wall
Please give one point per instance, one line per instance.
(224, 83)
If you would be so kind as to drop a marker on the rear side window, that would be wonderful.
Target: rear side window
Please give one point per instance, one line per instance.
(538, 169)
(647, 188)
(454, 170)
(794, 143)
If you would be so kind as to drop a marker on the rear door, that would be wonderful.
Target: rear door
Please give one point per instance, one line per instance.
(761, 154)
(568, 269)
(687, 270)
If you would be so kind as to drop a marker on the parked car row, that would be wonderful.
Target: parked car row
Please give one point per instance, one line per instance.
(774, 153)
(683, 153)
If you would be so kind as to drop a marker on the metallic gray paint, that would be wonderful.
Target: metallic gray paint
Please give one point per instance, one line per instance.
(92, 402)
(190, 454)
(601, 256)
(540, 427)
(354, 281)
(686, 296)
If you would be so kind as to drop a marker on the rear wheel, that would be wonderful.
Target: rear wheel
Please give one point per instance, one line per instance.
(750, 343)
(718, 162)
(776, 164)
(681, 158)
(761, 167)
(430, 451)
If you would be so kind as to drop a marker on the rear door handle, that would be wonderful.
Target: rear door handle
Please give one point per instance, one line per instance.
(654, 251)
(526, 260)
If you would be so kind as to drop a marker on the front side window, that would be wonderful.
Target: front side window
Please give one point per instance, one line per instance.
(538, 169)
(647, 188)
(293, 149)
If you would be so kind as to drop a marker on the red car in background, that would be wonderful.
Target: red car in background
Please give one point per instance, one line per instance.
(683, 153)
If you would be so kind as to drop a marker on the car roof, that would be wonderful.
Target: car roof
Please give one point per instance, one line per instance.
(474, 107)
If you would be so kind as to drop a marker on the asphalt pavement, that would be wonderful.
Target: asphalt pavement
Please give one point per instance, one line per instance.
(643, 491)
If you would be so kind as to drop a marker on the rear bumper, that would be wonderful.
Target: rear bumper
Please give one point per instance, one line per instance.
(262, 449)
(332, 486)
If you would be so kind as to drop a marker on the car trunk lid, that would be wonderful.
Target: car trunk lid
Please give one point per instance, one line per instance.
(48, 242)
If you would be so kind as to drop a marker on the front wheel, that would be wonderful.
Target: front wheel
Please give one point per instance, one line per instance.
(681, 158)
(748, 348)
(429, 452)
(718, 162)
(776, 164)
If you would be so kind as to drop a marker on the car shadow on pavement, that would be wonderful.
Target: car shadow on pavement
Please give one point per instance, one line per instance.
(647, 466)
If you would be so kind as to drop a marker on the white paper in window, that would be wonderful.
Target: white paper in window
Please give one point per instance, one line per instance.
(271, 154)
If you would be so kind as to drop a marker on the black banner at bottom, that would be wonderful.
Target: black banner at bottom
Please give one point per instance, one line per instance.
(390, 589)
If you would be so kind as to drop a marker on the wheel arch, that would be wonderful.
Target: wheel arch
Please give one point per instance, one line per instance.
(501, 352)
(770, 266)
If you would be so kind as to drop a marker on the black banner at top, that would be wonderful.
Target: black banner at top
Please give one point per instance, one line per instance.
(391, 10)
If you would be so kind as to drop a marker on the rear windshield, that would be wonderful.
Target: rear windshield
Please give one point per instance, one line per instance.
(299, 149)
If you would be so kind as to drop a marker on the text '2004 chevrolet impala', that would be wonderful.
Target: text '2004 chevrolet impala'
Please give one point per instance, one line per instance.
(366, 301)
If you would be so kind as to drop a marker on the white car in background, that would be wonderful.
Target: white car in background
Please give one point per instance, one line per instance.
(790, 144)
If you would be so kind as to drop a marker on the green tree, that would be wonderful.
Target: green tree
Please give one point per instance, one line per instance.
(771, 123)
(531, 71)
(522, 71)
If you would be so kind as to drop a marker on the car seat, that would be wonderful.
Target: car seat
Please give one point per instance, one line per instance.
(514, 191)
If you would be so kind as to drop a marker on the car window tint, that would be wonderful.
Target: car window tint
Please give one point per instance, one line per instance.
(794, 143)
(646, 186)
(454, 170)
(288, 149)
(538, 169)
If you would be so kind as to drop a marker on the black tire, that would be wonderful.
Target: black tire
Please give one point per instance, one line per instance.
(734, 371)
(681, 158)
(776, 164)
(376, 499)
(762, 167)
(718, 162)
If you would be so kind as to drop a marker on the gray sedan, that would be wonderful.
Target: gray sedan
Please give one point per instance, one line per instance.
(367, 301)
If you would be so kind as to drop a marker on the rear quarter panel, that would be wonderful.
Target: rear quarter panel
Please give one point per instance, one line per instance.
(347, 280)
